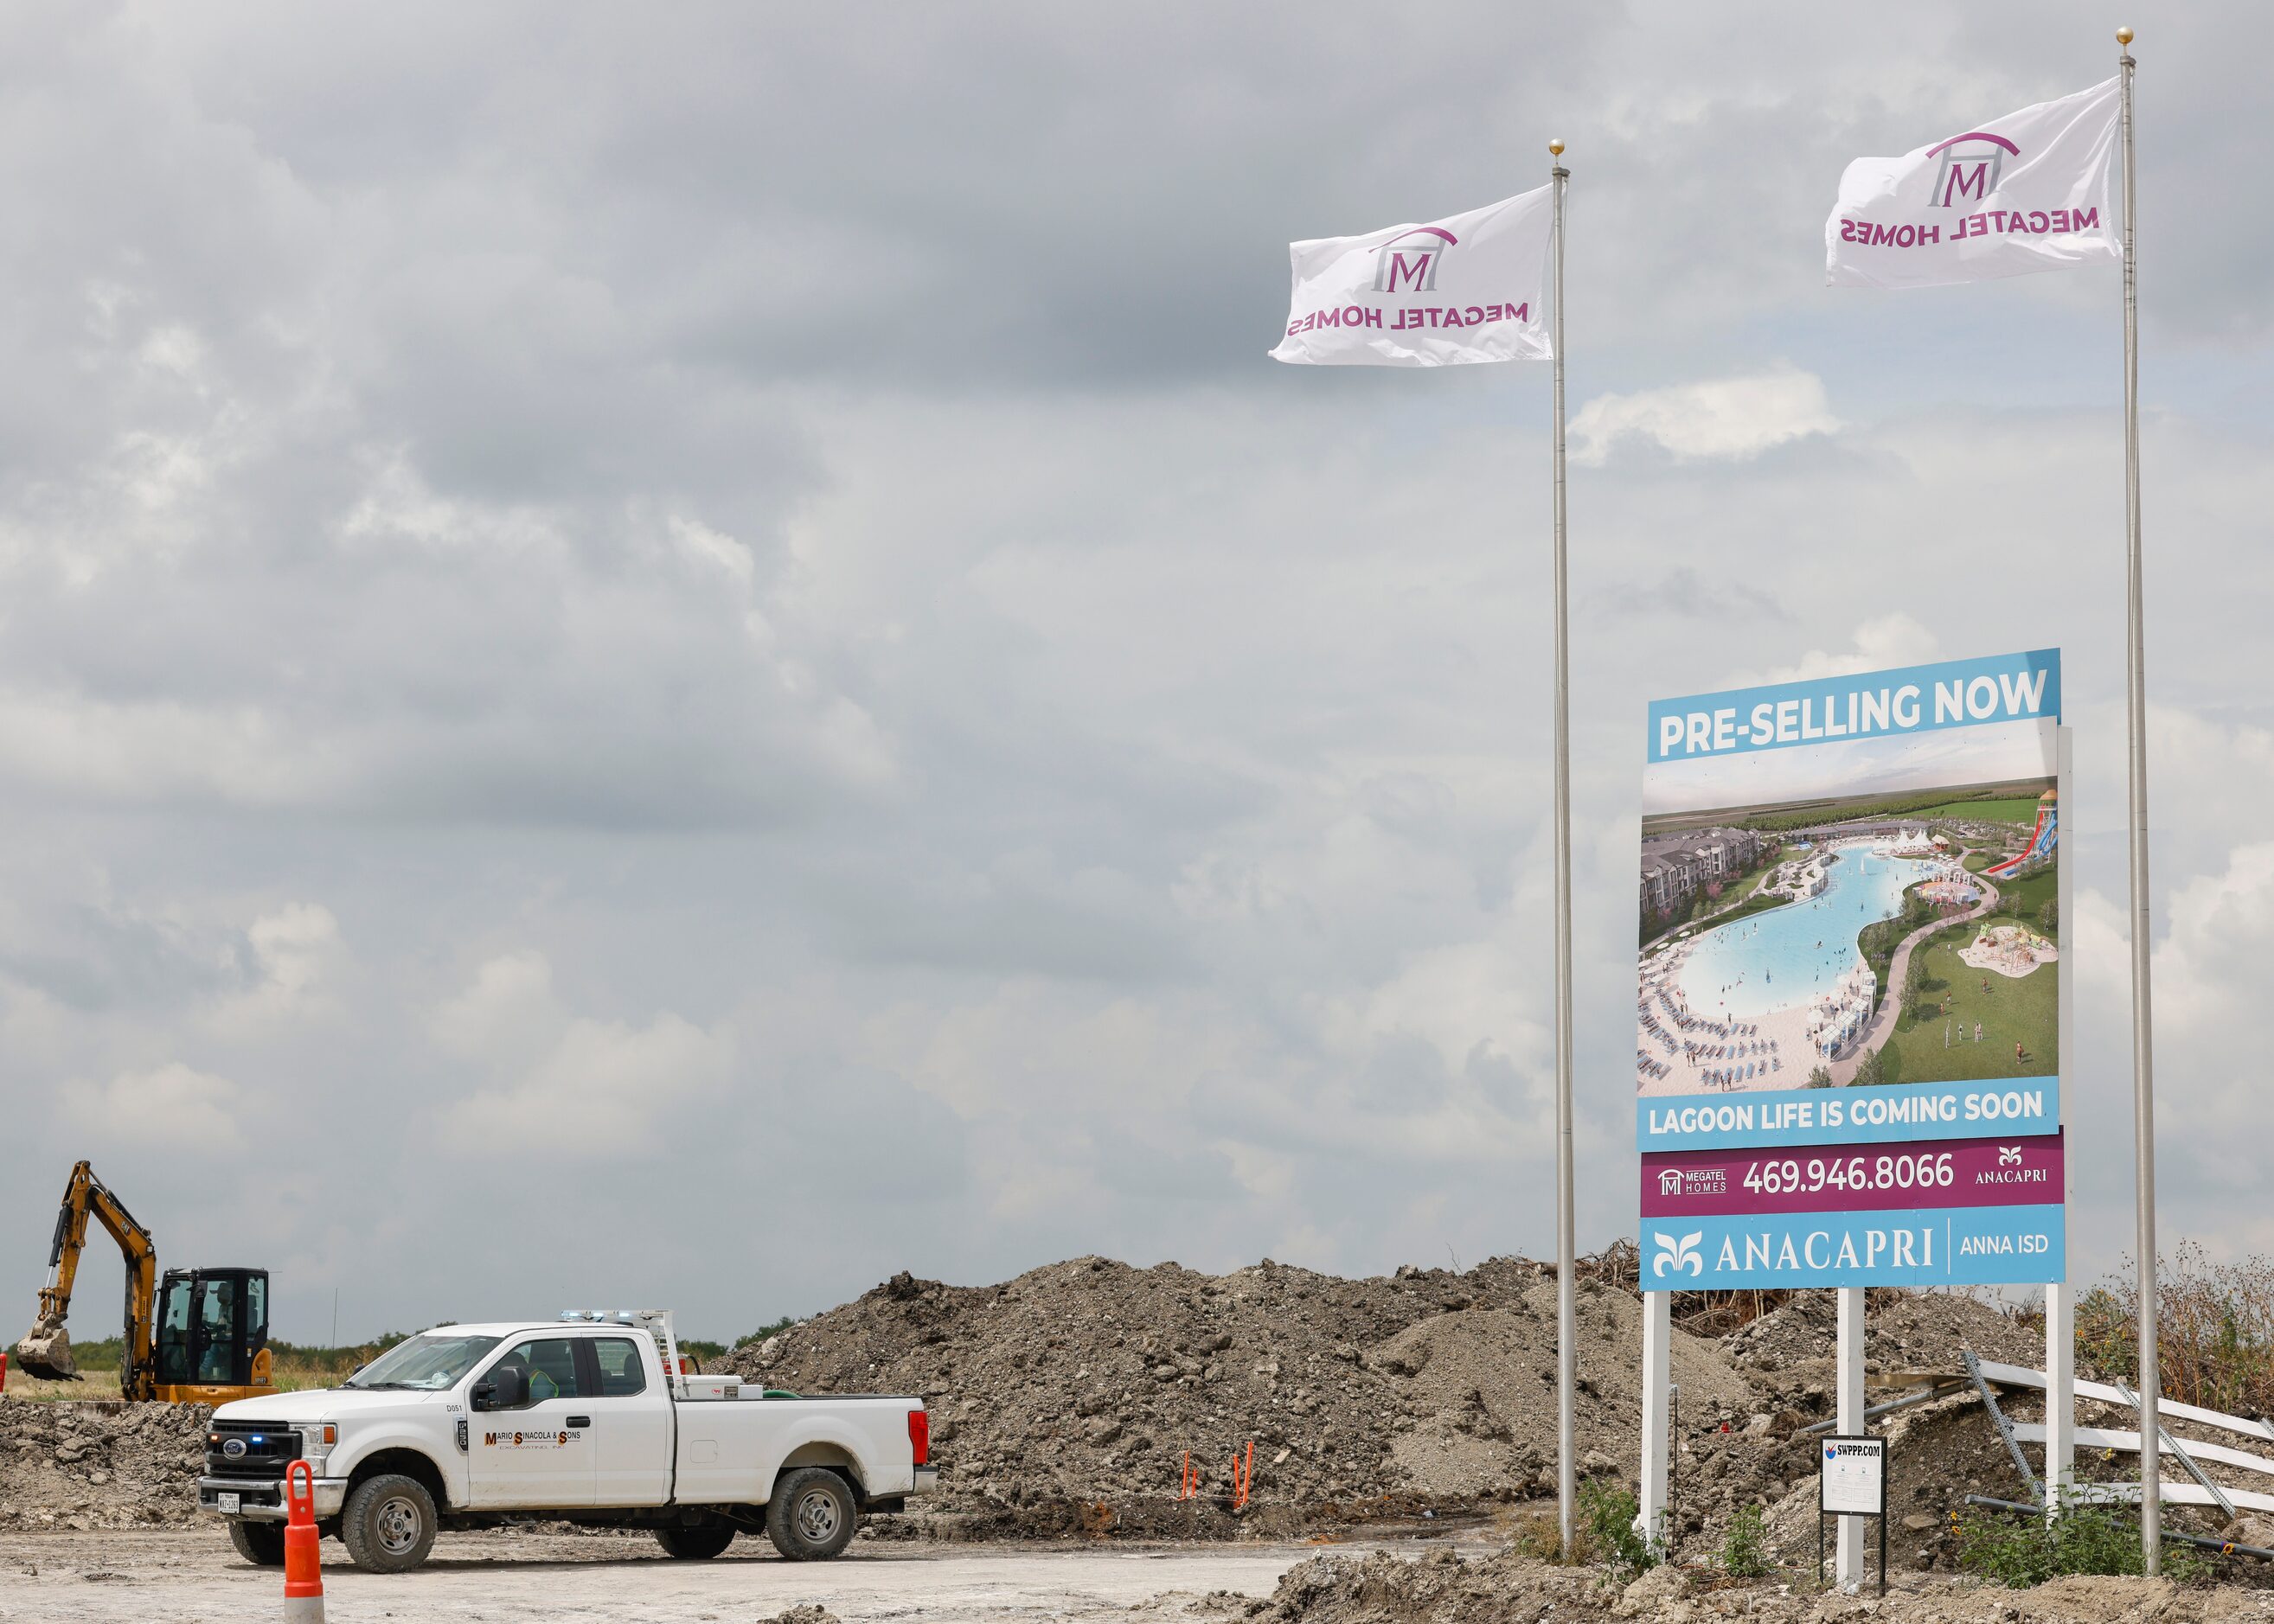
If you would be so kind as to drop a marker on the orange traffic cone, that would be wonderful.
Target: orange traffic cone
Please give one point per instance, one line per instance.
(304, 1568)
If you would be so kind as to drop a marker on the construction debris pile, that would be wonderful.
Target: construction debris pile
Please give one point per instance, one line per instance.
(1063, 1400)
(99, 1464)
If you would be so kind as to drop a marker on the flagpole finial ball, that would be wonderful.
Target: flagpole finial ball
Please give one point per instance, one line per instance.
(1555, 148)
(2124, 36)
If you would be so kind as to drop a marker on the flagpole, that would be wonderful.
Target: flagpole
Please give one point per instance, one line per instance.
(2135, 694)
(1567, 1374)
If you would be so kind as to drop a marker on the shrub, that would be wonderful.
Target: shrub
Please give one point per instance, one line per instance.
(1820, 1076)
(2214, 1330)
(2019, 1551)
(1606, 1522)
(1745, 1551)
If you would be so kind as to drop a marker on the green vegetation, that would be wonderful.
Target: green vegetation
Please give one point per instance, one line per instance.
(2020, 1550)
(1879, 940)
(1745, 1550)
(2003, 810)
(2214, 1330)
(1990, 809)
(1751, 904)
(1608, 1532)
(764, 1331)
(298, 1359)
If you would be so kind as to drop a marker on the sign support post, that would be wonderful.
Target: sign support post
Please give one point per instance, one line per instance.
(1567, 1355)
(2135, 695)
(2061, 1297)
(1657, 1440)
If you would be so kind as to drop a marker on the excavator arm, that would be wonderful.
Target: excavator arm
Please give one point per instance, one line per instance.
(45, 1349)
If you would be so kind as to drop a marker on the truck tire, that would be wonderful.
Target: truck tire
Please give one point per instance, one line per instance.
(812, 1514)
(261, 1544)
(695, 1544)
(389, 1523)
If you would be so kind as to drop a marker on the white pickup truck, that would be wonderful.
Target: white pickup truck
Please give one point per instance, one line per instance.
(590, 1419)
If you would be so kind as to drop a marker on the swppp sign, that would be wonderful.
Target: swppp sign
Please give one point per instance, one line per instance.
(1847, 995)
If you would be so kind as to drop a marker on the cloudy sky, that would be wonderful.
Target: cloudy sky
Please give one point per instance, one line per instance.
(692, 656)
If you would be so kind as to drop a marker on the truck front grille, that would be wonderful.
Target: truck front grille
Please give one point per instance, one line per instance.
(269, 1447)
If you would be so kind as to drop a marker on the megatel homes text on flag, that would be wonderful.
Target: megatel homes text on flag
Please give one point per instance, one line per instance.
(1465, 288)
(1847, 1009)
(2026, 193)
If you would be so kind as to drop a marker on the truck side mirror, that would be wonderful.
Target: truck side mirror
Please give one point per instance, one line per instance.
(501, 1390)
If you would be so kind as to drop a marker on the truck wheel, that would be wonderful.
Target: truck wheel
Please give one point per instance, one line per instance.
(261, 1544)
(811, 1515)
(388, 1525)
(694, 1544)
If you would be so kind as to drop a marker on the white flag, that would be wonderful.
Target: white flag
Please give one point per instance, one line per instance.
(1466, 288)
(2025, 192)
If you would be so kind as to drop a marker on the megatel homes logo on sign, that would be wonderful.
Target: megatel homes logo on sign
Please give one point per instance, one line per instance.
(1971, 167)
(1677, 1182)
(1408, 264)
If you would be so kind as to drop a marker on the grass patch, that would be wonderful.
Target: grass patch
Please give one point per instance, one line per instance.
(1926, 1048)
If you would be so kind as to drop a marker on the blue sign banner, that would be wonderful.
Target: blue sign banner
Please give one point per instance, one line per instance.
(2015, 1105)
(1916, 699)
(1946, 1247)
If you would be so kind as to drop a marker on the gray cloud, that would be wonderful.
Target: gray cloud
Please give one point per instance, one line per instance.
(785, 523)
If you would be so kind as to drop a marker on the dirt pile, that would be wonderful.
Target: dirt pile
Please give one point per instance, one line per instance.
(1481, 1385)
(1905, 1332)
(1091, 1379)
(1444, 1588)
(87, 1464)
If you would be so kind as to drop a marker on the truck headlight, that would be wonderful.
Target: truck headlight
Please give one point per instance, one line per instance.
(316, 1441)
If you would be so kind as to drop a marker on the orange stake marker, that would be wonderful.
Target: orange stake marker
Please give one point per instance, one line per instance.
(304, 1568)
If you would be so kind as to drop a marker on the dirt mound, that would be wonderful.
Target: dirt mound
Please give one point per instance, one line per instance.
(1481, 1384)
(1444, 1588)
(1903, 1331)
(1090, 1380)
(1441, 1587)
(99, 1463)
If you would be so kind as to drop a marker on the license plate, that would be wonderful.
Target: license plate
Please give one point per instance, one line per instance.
(226, 1503)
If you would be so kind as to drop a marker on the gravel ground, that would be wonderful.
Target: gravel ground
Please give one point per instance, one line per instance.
(173, 1576)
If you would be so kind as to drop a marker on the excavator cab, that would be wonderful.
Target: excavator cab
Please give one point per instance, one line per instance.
(212, 1331)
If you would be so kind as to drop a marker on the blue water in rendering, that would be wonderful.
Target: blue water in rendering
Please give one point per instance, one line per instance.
(1793, 953)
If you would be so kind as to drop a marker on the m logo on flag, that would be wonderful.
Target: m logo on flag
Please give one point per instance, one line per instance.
(1408, 264)
(1971, 164)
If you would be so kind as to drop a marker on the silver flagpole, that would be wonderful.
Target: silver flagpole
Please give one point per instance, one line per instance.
(2135, 694)
(1567, 1371)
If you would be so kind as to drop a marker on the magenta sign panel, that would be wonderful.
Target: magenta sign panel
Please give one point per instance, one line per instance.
(2024, 1172)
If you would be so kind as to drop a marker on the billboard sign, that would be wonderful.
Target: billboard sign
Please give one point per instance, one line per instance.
(1848, 1007)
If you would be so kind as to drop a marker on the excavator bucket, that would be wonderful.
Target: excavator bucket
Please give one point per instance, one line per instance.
(46, 1352)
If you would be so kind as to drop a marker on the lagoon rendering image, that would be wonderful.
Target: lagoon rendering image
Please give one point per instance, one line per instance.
(1908, 940)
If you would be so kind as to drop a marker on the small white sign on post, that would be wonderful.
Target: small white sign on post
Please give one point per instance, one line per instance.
(1854, 1482)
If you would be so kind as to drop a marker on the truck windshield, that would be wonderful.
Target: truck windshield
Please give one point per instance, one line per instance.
(425, 1364)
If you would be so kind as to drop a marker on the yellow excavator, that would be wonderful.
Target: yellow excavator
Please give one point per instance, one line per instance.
(207, 1343)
